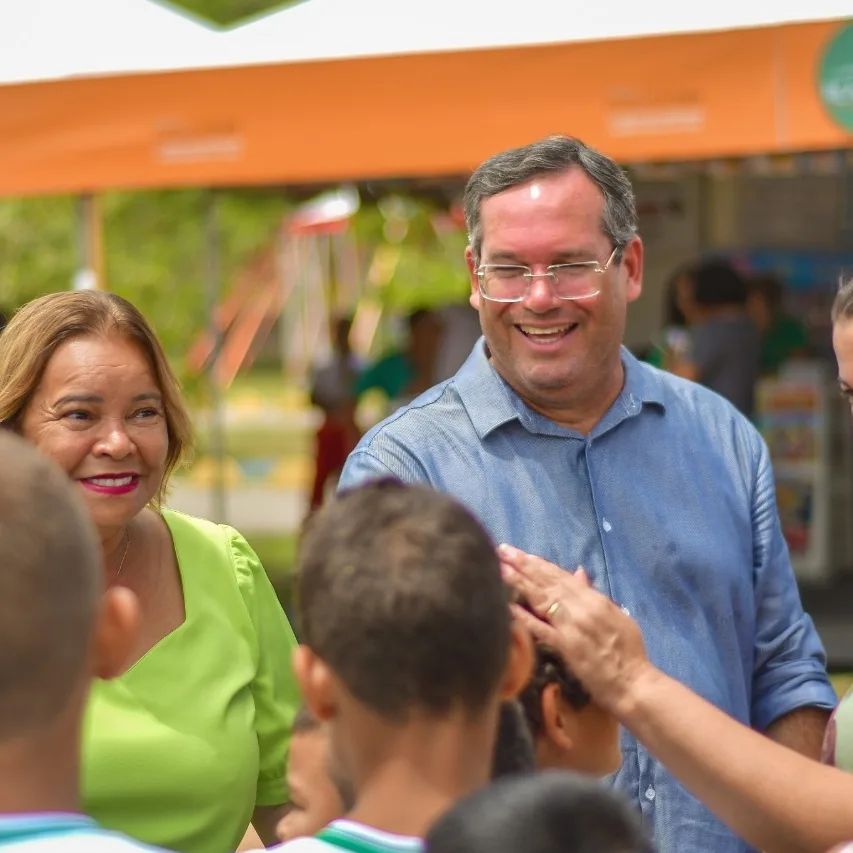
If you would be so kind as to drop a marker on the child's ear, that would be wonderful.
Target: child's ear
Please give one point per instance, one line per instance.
(559, 721)
(519, 665)
(116, 629)
(316, 683)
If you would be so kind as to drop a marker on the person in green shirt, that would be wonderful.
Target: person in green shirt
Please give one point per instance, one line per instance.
(188, 744)
(782, 336)
(402, 374)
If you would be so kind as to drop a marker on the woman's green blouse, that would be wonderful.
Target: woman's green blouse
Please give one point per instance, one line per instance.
(180, 748)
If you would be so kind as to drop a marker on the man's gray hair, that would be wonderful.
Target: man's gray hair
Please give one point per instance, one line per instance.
(553, 154)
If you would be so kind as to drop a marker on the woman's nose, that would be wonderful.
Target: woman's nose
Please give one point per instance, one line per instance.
(114, 440)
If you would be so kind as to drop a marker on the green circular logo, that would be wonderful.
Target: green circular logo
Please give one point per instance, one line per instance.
(836, 77)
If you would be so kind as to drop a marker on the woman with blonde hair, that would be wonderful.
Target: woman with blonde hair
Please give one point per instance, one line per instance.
(188, 745)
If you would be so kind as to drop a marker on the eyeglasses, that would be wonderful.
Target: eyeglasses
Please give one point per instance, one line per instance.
(511, 282)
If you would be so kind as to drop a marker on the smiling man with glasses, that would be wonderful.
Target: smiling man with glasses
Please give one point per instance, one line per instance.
(569, 448)
(511, 282)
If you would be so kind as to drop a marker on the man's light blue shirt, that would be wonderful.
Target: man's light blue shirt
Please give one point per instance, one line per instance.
(669, 504)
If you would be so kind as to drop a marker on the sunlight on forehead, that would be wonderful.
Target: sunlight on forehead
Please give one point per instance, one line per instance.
(535, 190)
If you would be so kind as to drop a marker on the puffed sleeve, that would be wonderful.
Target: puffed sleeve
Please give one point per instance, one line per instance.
(274, 687)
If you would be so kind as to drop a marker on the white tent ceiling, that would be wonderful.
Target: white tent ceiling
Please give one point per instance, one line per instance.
(329, 29)
(50, 39)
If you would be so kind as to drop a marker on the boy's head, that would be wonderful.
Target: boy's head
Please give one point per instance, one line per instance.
(403, 610)
(570, 731)
(318, 792)
(57, 626)
(550, 812)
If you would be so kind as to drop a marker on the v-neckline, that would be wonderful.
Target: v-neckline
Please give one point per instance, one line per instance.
(187, 606)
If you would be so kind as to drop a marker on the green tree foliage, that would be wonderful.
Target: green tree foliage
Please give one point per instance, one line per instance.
(429, 269)
(155, 253)
(38, 252)
(154, 250)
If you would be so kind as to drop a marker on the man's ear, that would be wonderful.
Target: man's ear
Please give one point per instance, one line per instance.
(474, 298)
(519, 665)
(116, 630)
(632, 264)
(558, 722)
(316, 683)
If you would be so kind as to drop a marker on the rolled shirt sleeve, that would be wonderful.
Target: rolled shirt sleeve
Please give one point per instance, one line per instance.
(790, 663)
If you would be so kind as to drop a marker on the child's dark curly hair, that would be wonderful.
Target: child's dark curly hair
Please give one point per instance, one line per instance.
(550, 668)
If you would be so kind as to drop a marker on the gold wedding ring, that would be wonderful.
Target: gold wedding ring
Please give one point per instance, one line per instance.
(553, 607)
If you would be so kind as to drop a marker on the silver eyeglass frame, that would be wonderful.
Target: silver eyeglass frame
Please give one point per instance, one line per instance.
(593, 266)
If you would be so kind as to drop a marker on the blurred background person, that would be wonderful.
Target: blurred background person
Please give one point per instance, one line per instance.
(673, 345)
(333, 391)
(189, 743)
(783, 336)
(676, 332)
(460, 329)
(404, 373)
(550, 812)
(59, 628)
(318, 791)
(725, 345)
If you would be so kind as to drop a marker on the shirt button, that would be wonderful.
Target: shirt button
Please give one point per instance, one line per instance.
(650, 793)
(607, 526)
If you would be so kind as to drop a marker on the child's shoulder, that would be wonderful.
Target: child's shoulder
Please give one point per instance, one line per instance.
(308, 844)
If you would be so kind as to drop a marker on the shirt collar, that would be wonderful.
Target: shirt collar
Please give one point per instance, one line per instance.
(21, 827)
(490, 402)
(642, 387)
(642, 381)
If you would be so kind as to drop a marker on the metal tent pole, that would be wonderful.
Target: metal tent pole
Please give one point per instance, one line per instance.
(213, 287)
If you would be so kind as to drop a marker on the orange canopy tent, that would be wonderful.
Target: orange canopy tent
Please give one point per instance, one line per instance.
(338, 89)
